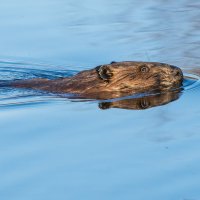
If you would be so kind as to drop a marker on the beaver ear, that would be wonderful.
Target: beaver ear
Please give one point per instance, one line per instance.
(104, 72)
(113, 62)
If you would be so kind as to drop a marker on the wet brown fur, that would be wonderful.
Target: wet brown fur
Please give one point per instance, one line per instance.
(112, 80)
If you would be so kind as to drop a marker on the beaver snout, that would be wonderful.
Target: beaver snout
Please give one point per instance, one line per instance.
(172, 77)
(177, 75)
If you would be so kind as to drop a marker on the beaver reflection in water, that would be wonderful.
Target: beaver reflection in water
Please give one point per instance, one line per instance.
(142, 103)
(113, 80)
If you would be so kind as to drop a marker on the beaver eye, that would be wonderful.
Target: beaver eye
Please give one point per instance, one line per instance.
(144, 69)
(104, 72)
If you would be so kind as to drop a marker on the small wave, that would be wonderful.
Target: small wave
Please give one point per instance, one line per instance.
(13, 73)
(191, 81)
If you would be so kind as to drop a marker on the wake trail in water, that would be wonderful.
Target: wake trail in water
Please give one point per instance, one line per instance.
(12, 71)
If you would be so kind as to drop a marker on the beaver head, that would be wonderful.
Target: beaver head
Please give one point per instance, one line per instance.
(129, 77)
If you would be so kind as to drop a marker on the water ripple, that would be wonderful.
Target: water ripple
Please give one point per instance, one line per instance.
(191, 81)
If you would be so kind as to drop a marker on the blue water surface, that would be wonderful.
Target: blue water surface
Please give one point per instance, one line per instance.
(57, 148)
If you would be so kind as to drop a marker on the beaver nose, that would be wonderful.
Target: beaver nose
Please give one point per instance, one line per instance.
(177, 73)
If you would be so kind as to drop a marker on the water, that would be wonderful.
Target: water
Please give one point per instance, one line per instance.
(56, 148)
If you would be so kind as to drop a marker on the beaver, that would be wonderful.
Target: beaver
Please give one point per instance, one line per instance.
(111, 80)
